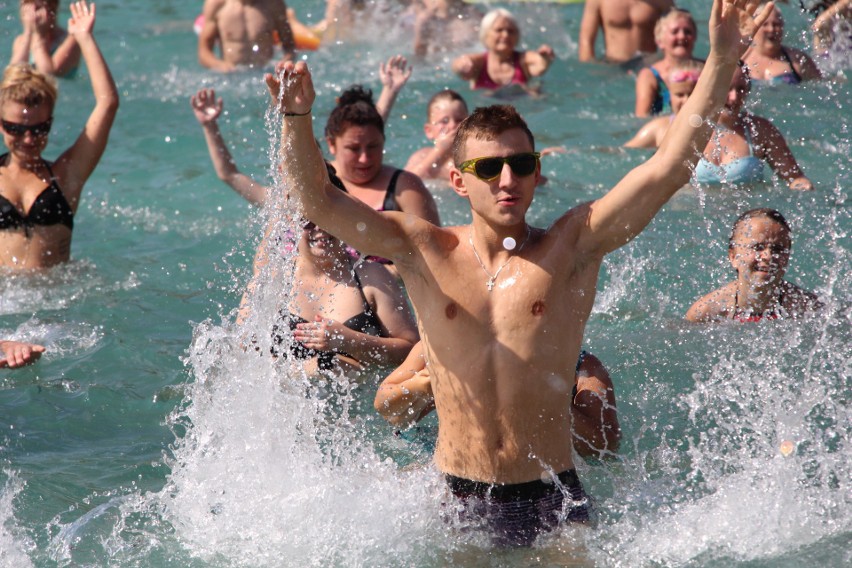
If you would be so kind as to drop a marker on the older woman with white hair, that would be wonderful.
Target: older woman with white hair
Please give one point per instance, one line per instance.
(502, 64)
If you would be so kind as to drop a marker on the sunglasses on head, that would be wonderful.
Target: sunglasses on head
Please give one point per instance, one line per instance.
(15, 129)
(489, 168)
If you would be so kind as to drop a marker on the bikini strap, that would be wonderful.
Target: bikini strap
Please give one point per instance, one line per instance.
(367, 308)
(389, 203)
(790, 62)
(46, 164)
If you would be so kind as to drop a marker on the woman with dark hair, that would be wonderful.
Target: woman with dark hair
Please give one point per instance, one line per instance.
(355, 134)
(759, 251)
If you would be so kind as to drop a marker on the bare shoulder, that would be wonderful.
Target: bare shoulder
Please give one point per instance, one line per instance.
(797, 54)
(797, 301)
(417, 157)
(408, 180)
(211, 7)
(376, 275)
(645, 75)
(568, 227)
(713, 306)
(592, 8)
(763, 130)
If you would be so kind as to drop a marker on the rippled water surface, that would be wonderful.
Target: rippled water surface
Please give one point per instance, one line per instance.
(146, 436)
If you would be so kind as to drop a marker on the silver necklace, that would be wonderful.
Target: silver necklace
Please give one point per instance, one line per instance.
(493, 277)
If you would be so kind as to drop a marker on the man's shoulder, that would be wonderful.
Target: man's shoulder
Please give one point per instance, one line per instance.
(213, 7)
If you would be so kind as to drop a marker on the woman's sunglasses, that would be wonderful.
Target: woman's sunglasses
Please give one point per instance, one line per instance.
(489, 168)
(15, 129)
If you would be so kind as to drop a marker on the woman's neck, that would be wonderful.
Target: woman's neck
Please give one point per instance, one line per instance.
(771, 50)
(503, 56)
(16, 163)
(334, 267)
(757, 299)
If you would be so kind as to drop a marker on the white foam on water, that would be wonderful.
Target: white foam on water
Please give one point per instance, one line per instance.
(14, 541)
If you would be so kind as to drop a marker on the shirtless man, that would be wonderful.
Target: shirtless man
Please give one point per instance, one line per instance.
(502, 305)
(444, 25)
(245, 31)
(628, 27)
(405, 397)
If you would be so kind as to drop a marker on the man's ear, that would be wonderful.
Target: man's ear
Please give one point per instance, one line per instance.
(330, 143)
(457, 182)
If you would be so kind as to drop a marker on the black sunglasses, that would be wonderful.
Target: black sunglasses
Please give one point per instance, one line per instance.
(15, 129)
(489, 168)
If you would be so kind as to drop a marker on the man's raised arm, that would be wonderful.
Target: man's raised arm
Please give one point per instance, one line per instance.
(337, 212)
(622, 213)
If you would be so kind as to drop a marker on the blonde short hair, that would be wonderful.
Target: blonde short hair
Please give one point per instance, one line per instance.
(669, 16)
(22, 83)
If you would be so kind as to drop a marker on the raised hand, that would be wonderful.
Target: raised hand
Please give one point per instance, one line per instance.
(732, 26)
(395, 73)
(291, 87)
(206, 106)
(546, 52)
(82, 19)
(31, 17)
(463, 65)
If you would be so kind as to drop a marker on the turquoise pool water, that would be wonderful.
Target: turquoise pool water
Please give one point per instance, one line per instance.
(147, 437)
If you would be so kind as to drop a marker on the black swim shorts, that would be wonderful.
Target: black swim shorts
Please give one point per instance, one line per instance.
(516, 514)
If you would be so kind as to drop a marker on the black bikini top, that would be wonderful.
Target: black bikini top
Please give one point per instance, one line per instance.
(49, 208)
(365, 322)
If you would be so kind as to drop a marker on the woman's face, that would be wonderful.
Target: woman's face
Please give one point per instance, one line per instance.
(319, 244)
(772, 30)
(358, 153)
(678, 37)
(760, 251)
(25, 128)
(737, 93)
(503, 35)
(444, 117)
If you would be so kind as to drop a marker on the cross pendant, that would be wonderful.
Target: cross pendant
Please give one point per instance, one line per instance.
(490, 284)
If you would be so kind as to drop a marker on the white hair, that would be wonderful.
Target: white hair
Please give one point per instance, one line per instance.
(491, 17)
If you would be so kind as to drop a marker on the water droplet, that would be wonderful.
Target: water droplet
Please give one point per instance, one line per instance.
(361, 226)
(787, 448)
(695, 121)
(509, 243)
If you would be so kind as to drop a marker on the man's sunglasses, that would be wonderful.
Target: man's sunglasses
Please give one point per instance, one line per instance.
(15, 129)
(489, 168)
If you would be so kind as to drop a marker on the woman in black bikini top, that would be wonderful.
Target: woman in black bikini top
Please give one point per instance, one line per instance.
(38, 199)
(340, 314)
(355, 133)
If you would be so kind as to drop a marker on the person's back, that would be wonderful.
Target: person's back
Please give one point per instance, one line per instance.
(245, 30)
(628, 27)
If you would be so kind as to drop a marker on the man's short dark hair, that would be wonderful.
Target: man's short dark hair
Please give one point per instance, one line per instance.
(487, 123)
